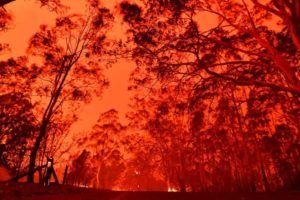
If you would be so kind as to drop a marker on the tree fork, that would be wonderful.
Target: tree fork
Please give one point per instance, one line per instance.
(33, 154)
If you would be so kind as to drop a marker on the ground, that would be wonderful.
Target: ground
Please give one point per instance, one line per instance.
(35, 192)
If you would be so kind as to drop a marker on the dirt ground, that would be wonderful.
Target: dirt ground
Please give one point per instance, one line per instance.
(35, 192)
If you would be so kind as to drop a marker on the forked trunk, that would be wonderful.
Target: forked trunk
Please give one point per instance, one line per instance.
(33, 154)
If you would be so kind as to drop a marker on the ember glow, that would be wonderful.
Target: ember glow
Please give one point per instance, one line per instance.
(172, 190)
(172, 95)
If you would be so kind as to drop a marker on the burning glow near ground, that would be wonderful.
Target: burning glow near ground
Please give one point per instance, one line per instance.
(170, 189)
(231, 125)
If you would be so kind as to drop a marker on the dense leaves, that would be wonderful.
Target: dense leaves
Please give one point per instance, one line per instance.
(215, 105)
(104, 144)
(242, 45)
(219, 93)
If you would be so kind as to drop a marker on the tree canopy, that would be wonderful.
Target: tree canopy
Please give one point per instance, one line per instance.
(215, 95)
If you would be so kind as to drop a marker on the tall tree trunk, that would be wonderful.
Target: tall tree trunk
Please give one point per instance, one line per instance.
(181, 184)
(60, 80)
(33, 154)
(265, 178)
(98, 178)
(241, 149)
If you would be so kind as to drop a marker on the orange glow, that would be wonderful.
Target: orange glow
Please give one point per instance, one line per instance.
(28, 16)
(172, 190)
(203, 96)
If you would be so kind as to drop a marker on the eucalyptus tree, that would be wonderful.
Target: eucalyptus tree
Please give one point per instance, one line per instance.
(70, 69)
(242, 44)
(241, 71)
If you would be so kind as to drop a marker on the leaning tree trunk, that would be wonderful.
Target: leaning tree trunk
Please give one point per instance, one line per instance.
(60, 80)
(33, 154)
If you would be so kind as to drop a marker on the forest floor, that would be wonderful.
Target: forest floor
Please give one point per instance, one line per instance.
(57, 192)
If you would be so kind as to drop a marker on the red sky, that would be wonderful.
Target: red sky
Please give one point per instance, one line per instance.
(28, 16)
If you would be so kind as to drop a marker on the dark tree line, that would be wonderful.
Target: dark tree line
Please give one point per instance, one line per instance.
(221, 102)
(215, 107)
(46, 94)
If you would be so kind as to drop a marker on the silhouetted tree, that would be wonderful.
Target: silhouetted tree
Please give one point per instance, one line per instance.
(70, 53)
(80, 173)
(105, 144)
(240, 47)
(17, 127)
(239, 76)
